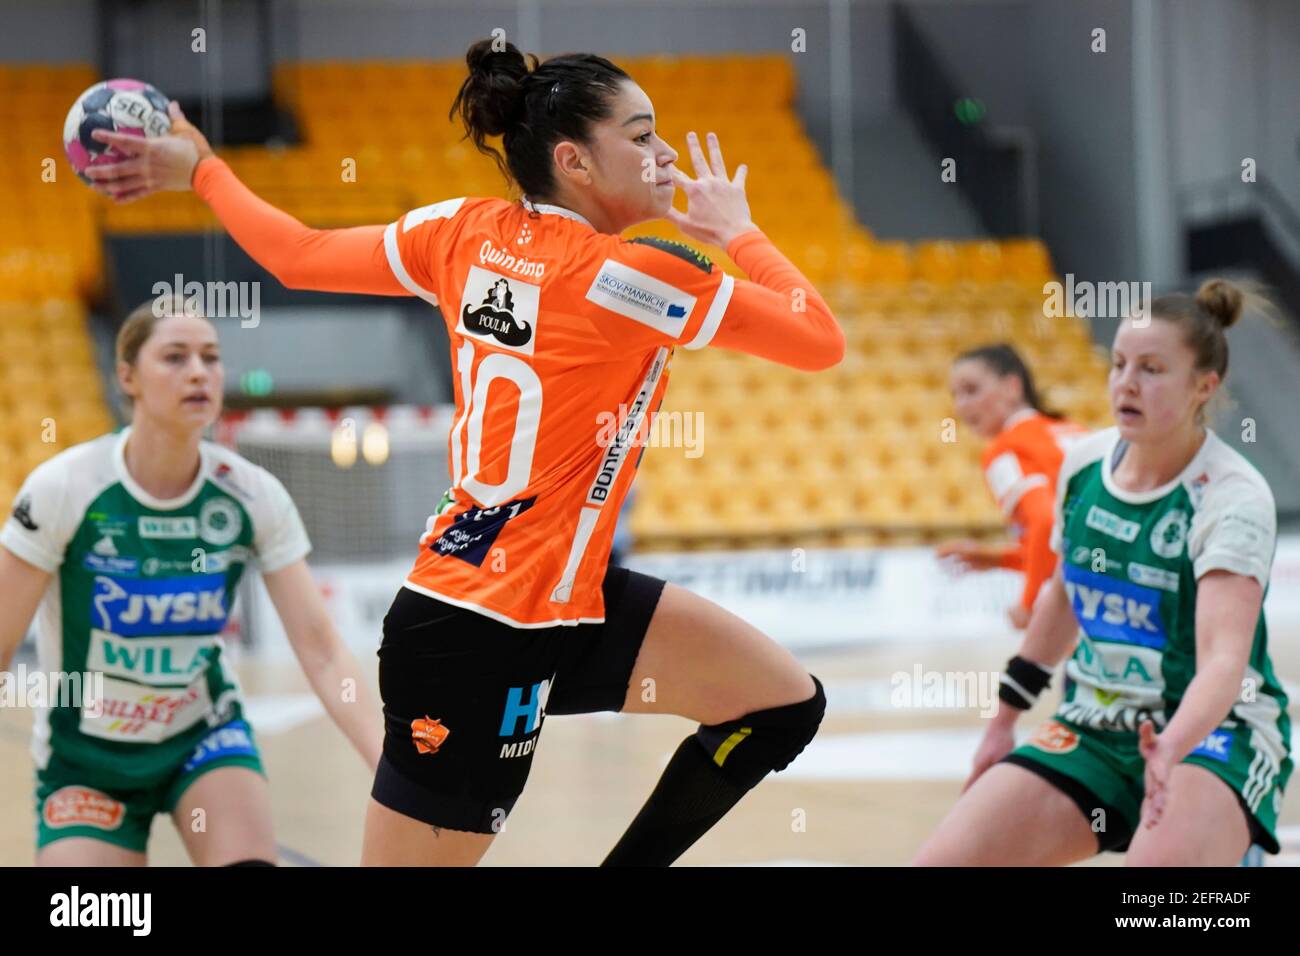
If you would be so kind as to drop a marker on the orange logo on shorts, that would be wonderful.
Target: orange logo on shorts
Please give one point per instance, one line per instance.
(1055, 738)
(82, 807)
(428, 734)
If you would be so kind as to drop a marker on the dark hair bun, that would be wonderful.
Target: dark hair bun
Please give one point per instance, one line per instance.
(492, 95)
(1222, 300)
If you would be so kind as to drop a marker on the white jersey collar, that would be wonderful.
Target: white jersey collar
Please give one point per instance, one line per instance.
(142, 496)
(547, 208)
(1196, 464)
(1015, 418)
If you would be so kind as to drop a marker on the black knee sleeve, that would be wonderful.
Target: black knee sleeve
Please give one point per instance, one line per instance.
(748, 749)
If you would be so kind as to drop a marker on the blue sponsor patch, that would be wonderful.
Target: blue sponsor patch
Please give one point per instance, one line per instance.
(676, 311)
(1109, 609)
(1217, 745)
(98, 564)
(231, 740)
(473, 532)
(156, 607)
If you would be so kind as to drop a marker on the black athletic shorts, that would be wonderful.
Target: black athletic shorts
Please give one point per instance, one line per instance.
(465, 697)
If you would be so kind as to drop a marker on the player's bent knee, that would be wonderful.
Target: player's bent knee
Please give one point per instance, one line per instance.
(749, 748)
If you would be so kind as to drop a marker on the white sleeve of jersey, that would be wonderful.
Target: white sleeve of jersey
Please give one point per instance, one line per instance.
(1008, 482)
(1079, 453)
(42, 524)
(278, 536)
(1235, 529)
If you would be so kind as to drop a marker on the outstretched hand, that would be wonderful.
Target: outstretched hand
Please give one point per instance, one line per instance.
(1158, 767)
(716, 208)
(151, 164)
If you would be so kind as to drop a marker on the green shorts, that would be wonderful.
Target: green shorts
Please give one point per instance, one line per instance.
(1103, 772)
(70, 803)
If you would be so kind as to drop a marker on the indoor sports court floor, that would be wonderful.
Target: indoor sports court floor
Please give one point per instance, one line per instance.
(867, 791)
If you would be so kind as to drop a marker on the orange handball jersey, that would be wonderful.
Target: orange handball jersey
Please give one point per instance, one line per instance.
(561, 339)
(1020, 466)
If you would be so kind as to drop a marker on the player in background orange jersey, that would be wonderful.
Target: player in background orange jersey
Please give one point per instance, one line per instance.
(511, 612)
(995, 397)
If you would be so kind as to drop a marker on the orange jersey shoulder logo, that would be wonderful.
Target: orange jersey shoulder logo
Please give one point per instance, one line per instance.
(428, 734)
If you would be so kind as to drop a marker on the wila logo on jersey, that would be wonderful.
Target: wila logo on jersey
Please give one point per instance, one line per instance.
(145, 607)
(500, 310)
(151, 660)
(473, 532)
(1114, 610)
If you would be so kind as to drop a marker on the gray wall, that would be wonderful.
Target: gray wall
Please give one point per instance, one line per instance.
(1030, 62)
(984, 45)
(1234, 83)
(156, 41)
(52, 31)
(1081, 105)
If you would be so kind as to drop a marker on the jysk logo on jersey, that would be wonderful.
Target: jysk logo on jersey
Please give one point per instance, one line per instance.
(499, 310)
(159, 607)
(1099, 519)
(1113, 610)
(641, 297)
(1217, 746)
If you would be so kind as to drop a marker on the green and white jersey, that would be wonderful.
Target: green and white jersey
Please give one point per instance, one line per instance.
(141, 592)
(1131, 562)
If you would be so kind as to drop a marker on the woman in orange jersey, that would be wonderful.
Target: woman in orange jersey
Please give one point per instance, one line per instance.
(511, 612)
(995, 397)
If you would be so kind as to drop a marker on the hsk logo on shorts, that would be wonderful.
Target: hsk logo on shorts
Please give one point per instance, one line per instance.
(526, 704)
